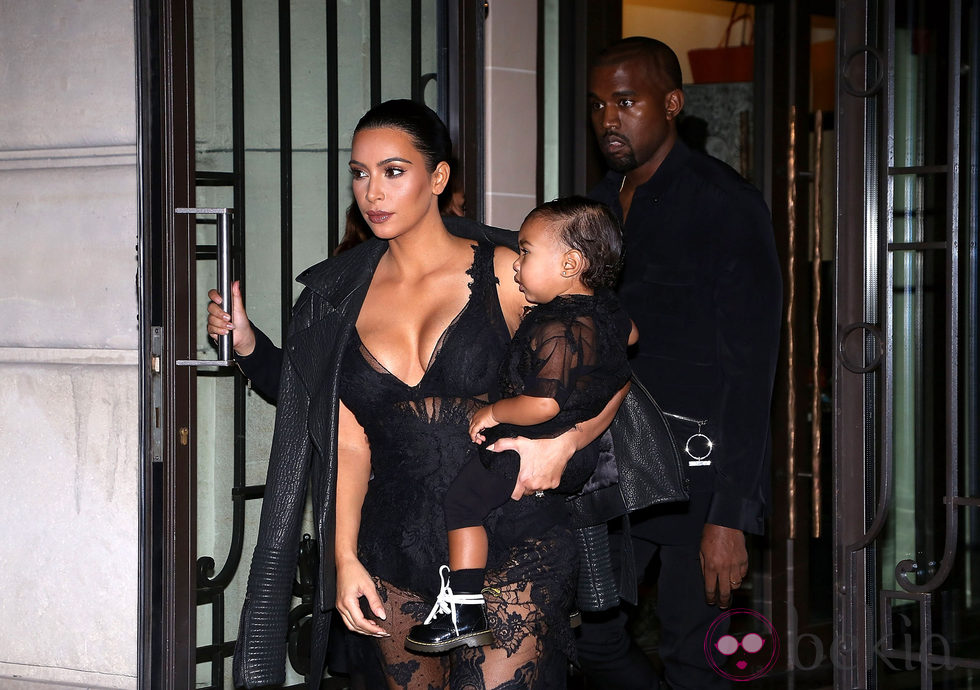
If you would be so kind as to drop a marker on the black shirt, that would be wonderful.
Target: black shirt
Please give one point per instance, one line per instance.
(701, 281)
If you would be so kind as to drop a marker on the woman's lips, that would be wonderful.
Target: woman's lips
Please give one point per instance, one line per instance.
(379, 216)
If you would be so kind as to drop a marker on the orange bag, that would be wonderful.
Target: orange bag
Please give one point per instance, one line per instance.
(725, 63)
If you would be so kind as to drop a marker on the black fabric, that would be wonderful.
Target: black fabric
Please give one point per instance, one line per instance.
(639, 466)
(467, 580)
(701, 281)
(418, 434)
(264, 365)
(304, 455)
(419, 441)
(572, 349)
(606, 652)
(474, 494)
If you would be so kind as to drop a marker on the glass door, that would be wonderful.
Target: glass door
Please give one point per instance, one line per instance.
(906, 460)
(256, 104)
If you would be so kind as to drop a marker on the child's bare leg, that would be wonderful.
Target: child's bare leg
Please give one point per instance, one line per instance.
(468, 548)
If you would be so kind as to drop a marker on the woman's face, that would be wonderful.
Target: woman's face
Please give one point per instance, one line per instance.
(391, 185)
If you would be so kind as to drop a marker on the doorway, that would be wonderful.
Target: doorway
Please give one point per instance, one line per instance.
(247, 108)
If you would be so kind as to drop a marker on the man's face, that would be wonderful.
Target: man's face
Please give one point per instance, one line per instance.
(632, 113)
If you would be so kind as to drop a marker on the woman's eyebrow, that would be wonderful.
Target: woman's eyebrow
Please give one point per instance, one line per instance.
(393, 159)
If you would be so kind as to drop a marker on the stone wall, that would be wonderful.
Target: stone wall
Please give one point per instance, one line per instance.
(69, 381)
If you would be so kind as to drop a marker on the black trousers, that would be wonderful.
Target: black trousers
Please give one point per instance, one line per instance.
(607, 653)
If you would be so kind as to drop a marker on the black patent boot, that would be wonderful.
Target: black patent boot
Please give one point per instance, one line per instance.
(454, 621)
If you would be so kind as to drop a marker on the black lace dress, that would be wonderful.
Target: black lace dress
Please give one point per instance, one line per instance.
(572, 349)
(419, 441)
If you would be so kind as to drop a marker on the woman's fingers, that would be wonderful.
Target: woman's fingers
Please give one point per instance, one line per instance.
(361, 611)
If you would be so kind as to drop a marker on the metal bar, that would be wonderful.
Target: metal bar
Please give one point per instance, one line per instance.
(224, 278)
(952, 320)
(877, 180)
(971, 406)
(285, 166)
(333, 136)
(816, 450)
(374, 50)
(249, 492)
(238, 128)
(854, 394)
(211, 178)
(918, 170)
(223, 256)
(915, 246)
(418, 86)
(790, 330)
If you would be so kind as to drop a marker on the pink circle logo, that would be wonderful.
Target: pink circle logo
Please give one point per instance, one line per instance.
(746, 655)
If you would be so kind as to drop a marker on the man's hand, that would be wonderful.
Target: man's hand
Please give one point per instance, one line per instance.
(724, 563)
(220, 323)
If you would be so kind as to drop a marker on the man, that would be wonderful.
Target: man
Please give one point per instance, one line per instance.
(702, 284)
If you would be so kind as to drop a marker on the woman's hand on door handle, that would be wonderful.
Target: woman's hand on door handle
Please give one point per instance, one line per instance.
(221, 323)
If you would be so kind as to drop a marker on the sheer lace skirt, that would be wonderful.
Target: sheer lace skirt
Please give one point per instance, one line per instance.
(528, 603)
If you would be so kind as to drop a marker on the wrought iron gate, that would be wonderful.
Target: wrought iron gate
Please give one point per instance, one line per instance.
(907, 469)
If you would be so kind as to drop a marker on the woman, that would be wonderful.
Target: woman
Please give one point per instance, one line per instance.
(392, 346)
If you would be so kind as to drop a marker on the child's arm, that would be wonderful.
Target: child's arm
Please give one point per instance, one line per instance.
(524, 410)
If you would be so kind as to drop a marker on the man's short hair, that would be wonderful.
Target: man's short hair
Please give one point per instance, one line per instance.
(658, 53)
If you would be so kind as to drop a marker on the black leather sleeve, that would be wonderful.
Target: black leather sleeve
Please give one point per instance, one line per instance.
(264, 366)
(260, 654)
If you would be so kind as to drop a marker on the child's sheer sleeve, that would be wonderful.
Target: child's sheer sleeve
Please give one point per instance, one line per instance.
(561, 354)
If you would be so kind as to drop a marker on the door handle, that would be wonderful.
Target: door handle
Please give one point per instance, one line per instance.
(226, 355)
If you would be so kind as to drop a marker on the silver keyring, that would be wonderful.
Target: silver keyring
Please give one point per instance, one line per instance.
(687, 446)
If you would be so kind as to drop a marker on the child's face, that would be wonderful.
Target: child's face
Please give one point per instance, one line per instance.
(540, 261)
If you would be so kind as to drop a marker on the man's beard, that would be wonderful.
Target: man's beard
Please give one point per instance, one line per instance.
(626, 160)
(622, 164)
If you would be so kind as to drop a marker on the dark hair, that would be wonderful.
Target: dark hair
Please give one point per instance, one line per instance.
(356, 230)
(591, 228)
(417, 120)
(658, 53)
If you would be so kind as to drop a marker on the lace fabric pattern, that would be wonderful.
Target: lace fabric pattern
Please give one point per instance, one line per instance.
(419, 441)
(528, 602)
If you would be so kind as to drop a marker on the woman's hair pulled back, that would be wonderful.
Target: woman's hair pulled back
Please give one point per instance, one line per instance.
(428, 133)
(591, 228)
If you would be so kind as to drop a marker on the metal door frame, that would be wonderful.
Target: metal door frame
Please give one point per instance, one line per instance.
(168, 571)
(863, 377)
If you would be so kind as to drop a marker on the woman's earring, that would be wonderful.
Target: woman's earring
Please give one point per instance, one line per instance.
(563, 274)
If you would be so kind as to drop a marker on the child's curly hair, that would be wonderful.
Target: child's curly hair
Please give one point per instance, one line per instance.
(591, 228)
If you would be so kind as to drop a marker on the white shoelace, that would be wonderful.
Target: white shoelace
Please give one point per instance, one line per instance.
(446, 601)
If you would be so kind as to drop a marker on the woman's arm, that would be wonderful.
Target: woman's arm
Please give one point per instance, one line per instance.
(543, 460)
(353, 474)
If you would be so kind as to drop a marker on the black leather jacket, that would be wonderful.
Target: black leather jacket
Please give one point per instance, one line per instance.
(304, 451)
